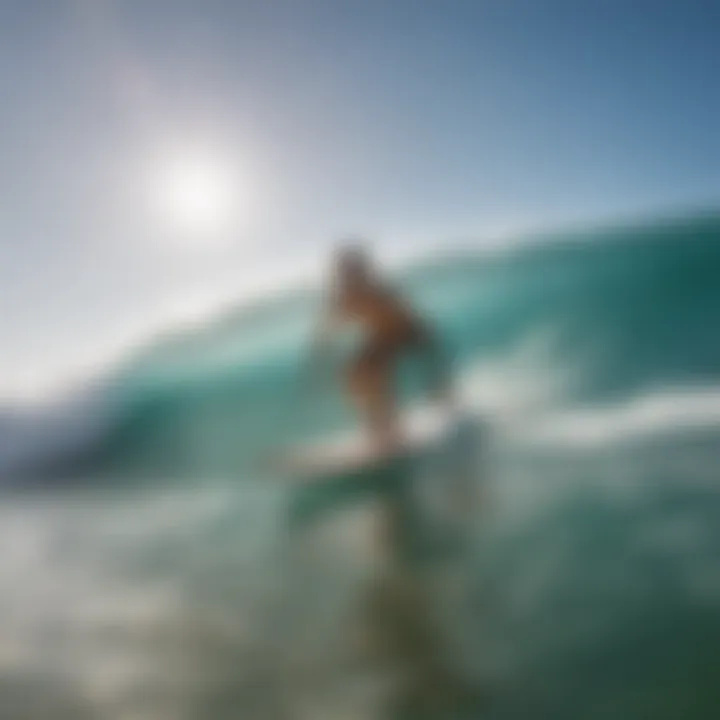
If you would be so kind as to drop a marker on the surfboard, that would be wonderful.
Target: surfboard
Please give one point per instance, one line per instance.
(354, 451)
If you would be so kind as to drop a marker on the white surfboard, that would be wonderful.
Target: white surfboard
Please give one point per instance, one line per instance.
(354, 450)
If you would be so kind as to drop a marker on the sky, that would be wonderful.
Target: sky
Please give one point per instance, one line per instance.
(158, 156)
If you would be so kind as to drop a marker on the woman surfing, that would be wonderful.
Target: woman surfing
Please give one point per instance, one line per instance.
(392, 330)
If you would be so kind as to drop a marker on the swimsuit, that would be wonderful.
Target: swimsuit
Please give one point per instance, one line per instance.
(380, 350)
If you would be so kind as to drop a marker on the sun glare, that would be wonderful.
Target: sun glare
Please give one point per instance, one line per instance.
(196, 198)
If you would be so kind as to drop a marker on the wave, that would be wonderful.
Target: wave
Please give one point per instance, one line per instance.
(592, 318)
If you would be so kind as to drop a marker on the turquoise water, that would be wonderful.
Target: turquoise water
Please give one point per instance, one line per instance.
(149, 571)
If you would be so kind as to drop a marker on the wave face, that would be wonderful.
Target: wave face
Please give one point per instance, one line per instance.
(607, 314)
(591, 581)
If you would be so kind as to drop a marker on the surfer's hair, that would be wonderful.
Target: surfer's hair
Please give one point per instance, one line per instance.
(353, 258)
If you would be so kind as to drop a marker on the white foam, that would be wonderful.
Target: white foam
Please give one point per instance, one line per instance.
(644, 416)
(521, 382)
(526, 392)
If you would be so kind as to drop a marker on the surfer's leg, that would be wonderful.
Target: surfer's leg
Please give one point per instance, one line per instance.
(370, 385)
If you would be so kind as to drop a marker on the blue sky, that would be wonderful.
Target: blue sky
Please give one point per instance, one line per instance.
(409, 121)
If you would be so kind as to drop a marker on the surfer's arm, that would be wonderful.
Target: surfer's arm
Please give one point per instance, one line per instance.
(330, 322)
(318, 360)
(325, 330)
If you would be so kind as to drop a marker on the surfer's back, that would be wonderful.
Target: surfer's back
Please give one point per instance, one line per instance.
(377, 308)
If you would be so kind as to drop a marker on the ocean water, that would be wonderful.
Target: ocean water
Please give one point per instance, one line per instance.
(153, 568)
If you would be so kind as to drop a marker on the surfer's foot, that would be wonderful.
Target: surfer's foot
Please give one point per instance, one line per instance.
(387, 440)
(381, 444)
(389, 445)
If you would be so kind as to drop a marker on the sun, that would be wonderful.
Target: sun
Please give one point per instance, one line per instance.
(196, 196)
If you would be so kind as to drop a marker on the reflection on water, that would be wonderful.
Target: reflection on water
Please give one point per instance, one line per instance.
(207, 602)
(580, 584)
(407, 600)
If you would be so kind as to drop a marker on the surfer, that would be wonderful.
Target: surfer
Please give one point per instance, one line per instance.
(392, 330)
